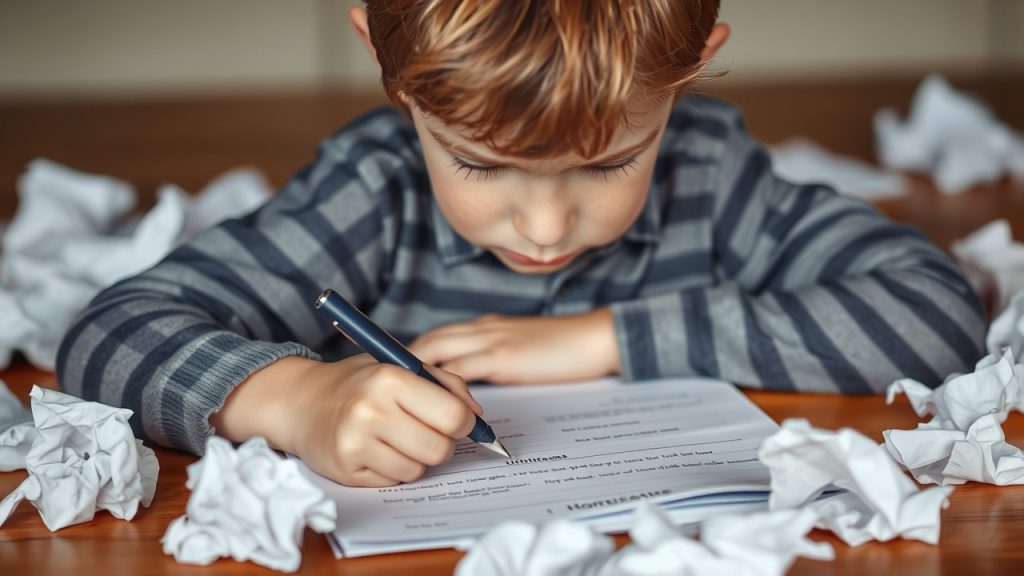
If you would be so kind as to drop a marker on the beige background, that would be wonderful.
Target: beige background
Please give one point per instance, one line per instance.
(62, 48)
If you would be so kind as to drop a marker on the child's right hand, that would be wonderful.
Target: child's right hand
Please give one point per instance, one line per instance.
(356, 421)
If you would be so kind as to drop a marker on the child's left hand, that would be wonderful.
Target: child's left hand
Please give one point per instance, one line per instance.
(524, 349)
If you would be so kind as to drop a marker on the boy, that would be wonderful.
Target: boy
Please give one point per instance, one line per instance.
(549, 207)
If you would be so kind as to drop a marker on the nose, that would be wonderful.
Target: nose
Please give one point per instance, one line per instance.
(546, 218)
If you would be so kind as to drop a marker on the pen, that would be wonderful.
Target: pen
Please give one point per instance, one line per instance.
(374, 340)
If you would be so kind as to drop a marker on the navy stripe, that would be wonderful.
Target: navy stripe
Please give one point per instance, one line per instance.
(737, 203)
(844, 374)
(113, 341)
(220, 275)
(899, 352)
(861, 245)
(778, 224)
(211, 353)
(99, 306)
(950, 279)
(965, 347)
(131, 398)
(342, 250)
(683, 265)
(764, 356)
(422, 292)
(700, 333)
(264, 252)
(695, 208)
(795, 246)
(642, 347)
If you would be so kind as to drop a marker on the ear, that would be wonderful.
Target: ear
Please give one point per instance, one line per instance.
(357, 16)
(719, 34)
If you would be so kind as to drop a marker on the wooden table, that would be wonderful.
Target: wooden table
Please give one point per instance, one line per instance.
(982, 530)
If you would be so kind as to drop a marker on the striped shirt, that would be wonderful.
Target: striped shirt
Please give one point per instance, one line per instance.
(727, 272)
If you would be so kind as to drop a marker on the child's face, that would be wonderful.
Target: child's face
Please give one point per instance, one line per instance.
(536, 216)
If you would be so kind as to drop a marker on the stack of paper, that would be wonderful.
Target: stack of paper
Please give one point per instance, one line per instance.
(591, 452)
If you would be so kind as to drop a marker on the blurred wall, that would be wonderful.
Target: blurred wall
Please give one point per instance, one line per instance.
(64, 48)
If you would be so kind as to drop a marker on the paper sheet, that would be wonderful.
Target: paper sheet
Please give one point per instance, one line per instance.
(249, 504)
(803, 162)
(964, 440)
(950, 136)
(83, 458)
(73, 236)
(880, 502)
(590, 451)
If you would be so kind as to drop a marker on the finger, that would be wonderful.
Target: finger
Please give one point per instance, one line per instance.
(392, 464)
(478, 366)
(435, 348)
(369, 478)
(456, 385)
(435, 406)
(416, 441)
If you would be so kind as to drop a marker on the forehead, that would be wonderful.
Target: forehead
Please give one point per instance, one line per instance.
(643, 122)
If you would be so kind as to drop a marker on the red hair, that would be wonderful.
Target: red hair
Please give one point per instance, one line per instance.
(536, 78)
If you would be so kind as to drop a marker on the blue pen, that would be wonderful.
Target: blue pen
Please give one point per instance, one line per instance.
(362, 331)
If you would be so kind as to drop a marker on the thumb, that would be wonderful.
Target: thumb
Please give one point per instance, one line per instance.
(456, 385)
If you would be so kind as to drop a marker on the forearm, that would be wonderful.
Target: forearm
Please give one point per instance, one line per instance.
(168, 361)
(854, 335)
(597, 328)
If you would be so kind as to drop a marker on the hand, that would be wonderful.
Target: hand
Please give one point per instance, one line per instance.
(524, 350)
(356, 421)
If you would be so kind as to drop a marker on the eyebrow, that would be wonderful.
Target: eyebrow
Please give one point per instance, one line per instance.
(605, 159)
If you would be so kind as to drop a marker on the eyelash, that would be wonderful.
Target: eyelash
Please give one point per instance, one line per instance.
(485, 173)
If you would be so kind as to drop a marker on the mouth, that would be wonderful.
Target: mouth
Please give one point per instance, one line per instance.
(525, 260)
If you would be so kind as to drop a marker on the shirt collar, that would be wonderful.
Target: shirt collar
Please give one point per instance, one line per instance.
(454, 249)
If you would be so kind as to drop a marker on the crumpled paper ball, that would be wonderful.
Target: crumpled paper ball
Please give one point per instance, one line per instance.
(951, 136)
(558, 548)
(83, 458)
(760, 544)
(880, 502)
(74, 234)
(993, 263)
(16, 431)
(249, 504)
(964, 440)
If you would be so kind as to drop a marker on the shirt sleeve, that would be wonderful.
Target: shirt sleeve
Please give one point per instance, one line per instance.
(815, 291)
(174, 341)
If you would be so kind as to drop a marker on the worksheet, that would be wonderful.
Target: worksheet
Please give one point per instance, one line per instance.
(590, 451)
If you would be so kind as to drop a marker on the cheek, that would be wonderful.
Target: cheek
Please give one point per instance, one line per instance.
(467, 205)
(611, 212)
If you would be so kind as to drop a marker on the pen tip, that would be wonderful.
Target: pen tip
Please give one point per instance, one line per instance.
(498, 447)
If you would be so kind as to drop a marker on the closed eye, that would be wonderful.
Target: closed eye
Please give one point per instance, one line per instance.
(606, 170)
(481, 171)
(484, 172)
